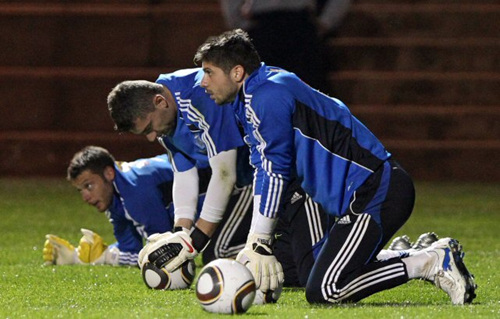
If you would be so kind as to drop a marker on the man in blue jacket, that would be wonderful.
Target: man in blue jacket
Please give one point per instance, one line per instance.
(176, 111)
(137, 199)
(295, 131)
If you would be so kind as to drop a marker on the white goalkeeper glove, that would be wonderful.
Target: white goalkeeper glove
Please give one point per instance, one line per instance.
(58, 251)
(171, 250)
(258, 257)
(143, 254)
(93, 250)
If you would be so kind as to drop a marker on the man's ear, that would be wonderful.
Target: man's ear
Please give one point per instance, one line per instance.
(109, 173)
(237, 73)
(158, 100)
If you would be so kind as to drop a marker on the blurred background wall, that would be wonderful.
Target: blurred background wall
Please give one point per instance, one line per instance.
(423, 75)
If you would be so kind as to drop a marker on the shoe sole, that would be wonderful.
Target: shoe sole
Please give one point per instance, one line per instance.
(400, 243)
(426, 241)
(470, 284)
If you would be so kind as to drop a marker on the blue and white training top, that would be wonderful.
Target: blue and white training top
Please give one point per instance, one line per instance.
(141, 204)
(295, 130)
(203, 129)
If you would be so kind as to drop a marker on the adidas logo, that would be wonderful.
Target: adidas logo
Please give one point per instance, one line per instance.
(344, 220)
(295, 197)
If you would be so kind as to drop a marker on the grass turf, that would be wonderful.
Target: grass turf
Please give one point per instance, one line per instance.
(32, 208)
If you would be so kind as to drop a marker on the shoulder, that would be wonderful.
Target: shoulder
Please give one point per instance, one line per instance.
(181, 81)
(271, 82)
(180, 75)
(143, 167)
(270, 96)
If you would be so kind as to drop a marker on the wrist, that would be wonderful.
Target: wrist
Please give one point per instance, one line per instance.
(112, 256)
(76, 259)
(262, 244)
(199, 239)
(206, 227)
(183, 224)
(262, 225)
(264, 239)
(180, 228)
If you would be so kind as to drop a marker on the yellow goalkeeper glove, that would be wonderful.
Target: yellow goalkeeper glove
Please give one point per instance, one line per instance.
(93, 250)
(58, 251)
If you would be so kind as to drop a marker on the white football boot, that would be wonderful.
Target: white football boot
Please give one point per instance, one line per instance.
(448, 271)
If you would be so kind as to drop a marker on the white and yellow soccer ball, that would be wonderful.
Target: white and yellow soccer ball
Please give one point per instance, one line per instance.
(225, 286)
(156, 278)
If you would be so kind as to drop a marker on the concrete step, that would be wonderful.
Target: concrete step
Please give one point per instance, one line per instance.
(421, 88)
(163, 34)
(107, 34)
(474, 54)
(422, 20)
(47, 153)
(75, 98)
(447, 160)
(62, 98)
(431, 122)
(422, 74)
(416, 2)
(216, 2)
(121, 2)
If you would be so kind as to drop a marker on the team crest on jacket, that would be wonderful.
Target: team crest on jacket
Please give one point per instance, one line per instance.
(197, 138)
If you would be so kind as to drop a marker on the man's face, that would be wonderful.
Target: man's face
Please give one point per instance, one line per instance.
(95, 189)
(221, 87)
(162, 121)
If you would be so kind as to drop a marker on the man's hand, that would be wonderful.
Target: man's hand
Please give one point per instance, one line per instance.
(143, 254)
(168, 250)
(93, 250)
(58, 251)
(258, 257)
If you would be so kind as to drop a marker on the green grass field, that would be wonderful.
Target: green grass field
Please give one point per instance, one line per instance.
(32, 208)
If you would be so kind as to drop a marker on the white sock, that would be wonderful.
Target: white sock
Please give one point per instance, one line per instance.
(385, 254)
(420, 265)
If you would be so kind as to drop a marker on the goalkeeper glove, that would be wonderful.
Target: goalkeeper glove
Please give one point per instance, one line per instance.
(93, 250)
(171, 250)
(58, 251)
(258, 257)
(143, 254)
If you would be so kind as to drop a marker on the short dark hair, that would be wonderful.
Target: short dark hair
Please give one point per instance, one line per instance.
(93, 158)
(229, 49)
(130, 100)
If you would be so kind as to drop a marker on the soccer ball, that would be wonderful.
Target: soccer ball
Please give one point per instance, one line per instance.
(156, 278)
(225, 286)
(270, 296)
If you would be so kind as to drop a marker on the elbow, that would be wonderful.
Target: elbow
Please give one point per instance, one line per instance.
(231, 177)
(227, 177)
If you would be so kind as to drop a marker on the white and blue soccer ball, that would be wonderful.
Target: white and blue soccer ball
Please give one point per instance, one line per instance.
(156, 278)
(225, 286)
